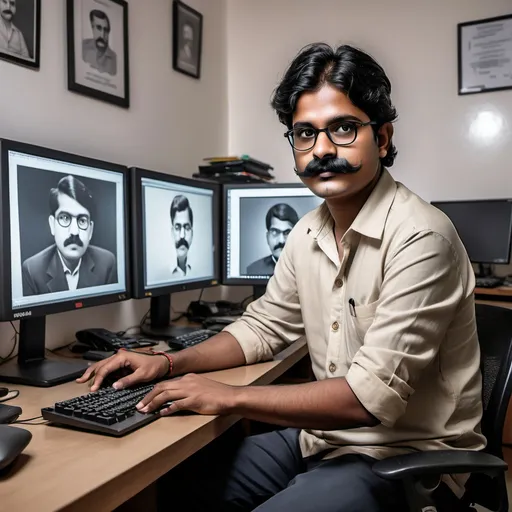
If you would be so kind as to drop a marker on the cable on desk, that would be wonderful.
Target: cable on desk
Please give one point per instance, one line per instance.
(9, 356)
(29, 421)
(13, 393)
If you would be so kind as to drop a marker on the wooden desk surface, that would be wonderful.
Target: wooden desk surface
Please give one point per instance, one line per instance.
(64, 469)
(500, 291)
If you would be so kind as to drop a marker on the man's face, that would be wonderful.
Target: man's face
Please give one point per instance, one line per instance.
(7, 9)
(319, 109)
(182, 232)
(100, 32)
(277, 235)
(72, 228)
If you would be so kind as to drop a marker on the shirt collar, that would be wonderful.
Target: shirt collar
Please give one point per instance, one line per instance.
(66, 269)
(370, 220)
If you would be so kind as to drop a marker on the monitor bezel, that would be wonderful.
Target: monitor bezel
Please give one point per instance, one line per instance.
(7, 313)
(139, 290)
(229, 281)
(474, 201)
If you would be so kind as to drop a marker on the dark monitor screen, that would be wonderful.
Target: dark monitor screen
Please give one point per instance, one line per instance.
(257, 221)
(64, 232)
(484, 226)
(176, 233)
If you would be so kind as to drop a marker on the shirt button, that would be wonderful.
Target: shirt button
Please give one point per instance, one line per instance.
(338, 283)
(335, 326)
(332, 367)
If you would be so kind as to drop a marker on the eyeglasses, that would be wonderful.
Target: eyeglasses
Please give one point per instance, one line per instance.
(340, 133)
(65, 219)
(178, 227)
(274, 232)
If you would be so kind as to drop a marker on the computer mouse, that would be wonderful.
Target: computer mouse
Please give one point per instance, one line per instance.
(13, 441)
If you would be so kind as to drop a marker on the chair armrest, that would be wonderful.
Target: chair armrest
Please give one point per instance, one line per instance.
(438, 462)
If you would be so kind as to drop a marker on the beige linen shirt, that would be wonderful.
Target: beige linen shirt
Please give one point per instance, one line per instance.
(394, 314)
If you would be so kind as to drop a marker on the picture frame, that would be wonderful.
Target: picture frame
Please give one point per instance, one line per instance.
(484, 55)
(187, 30)
(98, 53)
(23, 46)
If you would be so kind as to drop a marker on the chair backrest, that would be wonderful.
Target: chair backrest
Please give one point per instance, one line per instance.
(494, 325)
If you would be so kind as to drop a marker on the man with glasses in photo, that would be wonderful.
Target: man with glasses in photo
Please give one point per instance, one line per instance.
(182, 221)
(71, 263)
(279, 220)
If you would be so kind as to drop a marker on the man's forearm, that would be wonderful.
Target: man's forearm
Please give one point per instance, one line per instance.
(218, 353)
(325, 405)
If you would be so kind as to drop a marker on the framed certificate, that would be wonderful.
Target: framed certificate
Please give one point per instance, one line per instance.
(485, 55)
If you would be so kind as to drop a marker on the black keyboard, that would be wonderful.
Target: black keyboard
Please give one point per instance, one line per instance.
(488, 282)
(190, 339)
(106, 411)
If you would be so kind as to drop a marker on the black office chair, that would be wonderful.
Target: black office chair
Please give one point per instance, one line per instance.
(421, 472)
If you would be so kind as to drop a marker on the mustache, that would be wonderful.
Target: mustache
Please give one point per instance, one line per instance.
(7, 11)
(182, 243)
(278, 246)
(101, 40)
(74, 240)
(330, 164)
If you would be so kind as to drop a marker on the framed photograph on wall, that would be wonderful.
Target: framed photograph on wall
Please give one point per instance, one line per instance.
(20, 31)
(187, 30)
(485, 55)
(98, 63)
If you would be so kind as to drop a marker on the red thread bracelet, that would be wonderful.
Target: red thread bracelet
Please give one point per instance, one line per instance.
(169, 358)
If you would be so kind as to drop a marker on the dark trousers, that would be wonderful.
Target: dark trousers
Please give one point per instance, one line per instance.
(267, 473)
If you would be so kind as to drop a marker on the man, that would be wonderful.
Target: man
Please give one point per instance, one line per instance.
(280, 220)
(11, 38)
(186, 54)
(96, 51)
(72, 262)
(381, 286)
(182, 222)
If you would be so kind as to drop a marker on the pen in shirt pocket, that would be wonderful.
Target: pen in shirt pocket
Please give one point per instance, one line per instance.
(352, 307)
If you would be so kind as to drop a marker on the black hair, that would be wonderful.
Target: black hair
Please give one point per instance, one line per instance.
(96, 13)
(180, 204)
(75, 189)
(282, 211)
(351, 71)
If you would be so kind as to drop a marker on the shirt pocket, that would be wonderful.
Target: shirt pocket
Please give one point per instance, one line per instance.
(363, 319)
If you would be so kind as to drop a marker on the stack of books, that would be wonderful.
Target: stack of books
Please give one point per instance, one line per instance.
(234, 169)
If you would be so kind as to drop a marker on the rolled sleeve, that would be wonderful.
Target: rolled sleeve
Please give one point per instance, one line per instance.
(274, 321)
(421, 291)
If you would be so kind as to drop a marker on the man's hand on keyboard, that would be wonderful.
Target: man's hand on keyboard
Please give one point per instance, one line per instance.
(145, 368)
(190, 393)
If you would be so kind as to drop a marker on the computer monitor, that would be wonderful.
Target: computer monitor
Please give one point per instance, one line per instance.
(175, 242)
(64, 247)
(257, 220)
(485, 228)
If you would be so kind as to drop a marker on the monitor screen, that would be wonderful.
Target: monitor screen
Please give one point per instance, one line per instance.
(177, 242)
(258, 220)
(484, 226)
(67, 223)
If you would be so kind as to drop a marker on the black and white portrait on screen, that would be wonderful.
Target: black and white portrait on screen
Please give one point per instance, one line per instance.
(66, 228)
(182, 222)
(279, 222)
(178, 234)
(265, 224)
(187, 37)
(98, 49)
(19, 31)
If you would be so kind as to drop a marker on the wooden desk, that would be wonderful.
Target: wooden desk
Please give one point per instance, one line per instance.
(64, 469)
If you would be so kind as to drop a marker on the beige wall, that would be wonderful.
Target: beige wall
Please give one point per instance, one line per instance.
(163, 130)
(442, 152)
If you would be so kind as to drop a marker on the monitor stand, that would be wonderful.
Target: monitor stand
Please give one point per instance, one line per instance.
(32, 368)
(484, 270)
(160, 326)
(258, 291)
